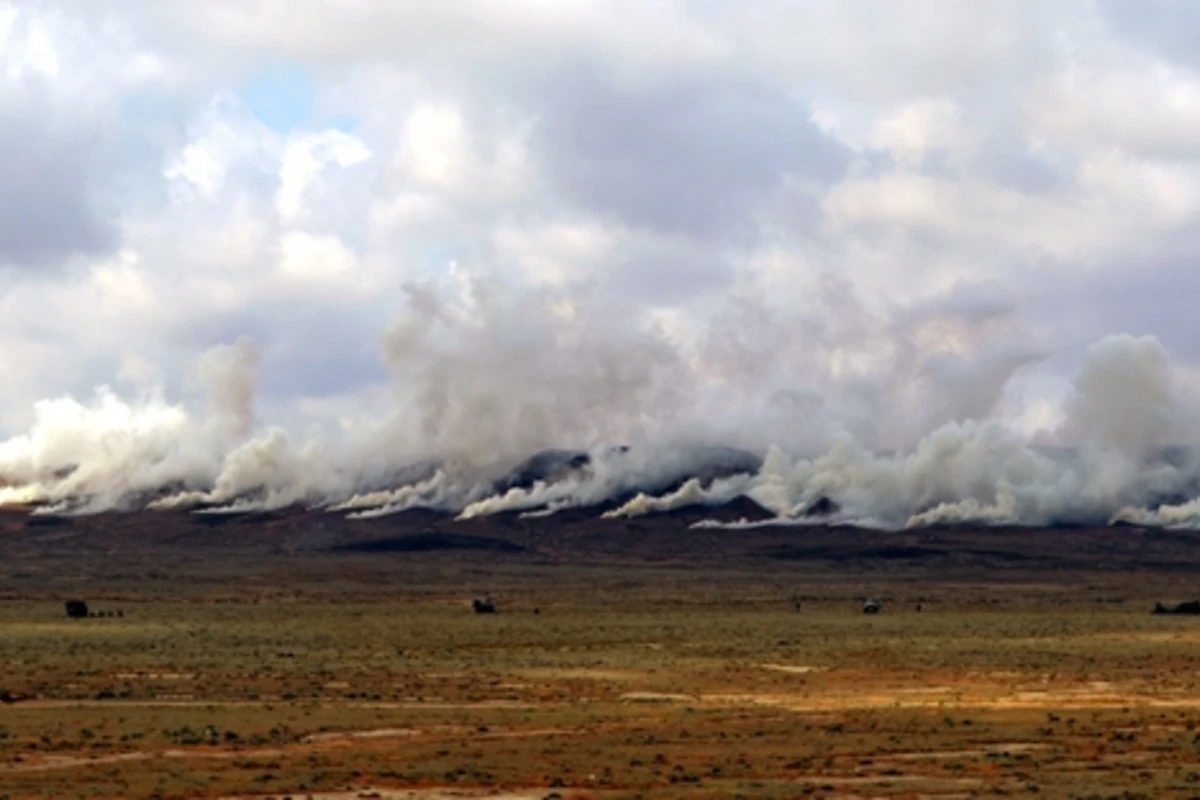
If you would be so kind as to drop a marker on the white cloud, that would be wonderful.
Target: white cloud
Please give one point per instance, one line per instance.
(310, 263)
(304, 158)
(766, 192)
(1116, 204)
(1151, 110)
(329, 32)
(439, 153)
(120, 285)
(554, 253)
(199, 167)
(917, 128)
(435, 147)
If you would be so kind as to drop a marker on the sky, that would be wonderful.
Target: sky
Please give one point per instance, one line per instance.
(624, 215)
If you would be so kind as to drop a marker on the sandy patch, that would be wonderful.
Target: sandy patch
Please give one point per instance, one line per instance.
(417, 794)
(377, 733)
(49, 763)
(997, 749)
(656, 697)
(582, 673)
(155, 676)
(189, 701)
(459, 731)
(924, 780)
(1145, 636)
(1065, 699)
(793, 669)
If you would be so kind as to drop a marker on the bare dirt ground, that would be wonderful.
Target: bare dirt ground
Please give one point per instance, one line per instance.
(257, 667)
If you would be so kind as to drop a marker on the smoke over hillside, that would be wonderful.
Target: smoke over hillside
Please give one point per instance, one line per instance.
(531, 403)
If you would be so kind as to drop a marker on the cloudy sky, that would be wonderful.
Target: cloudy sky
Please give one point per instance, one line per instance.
(784, 196)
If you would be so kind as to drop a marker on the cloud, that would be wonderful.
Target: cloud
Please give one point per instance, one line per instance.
(303, 161)
(1164, 27)
(53, 172)
(51, 165)
(69, 153)
(331, 33)
(481, 228)
(694, 157)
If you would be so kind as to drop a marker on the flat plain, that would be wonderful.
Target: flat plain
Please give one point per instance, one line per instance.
(262, 658)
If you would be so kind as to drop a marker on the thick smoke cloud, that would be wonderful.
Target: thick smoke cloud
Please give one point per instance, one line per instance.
(118, 454)
(489, 385)
(486, 375)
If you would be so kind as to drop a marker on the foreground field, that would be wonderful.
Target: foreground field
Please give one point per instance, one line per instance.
(605, 682)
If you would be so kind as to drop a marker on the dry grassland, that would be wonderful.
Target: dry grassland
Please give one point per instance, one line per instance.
(625, 683)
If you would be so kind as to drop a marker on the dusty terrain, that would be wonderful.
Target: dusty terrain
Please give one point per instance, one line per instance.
(299, 654)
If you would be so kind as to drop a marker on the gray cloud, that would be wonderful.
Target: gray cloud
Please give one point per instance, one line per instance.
(1147, 299)
(320, 355)
(692, 157)
(53, 198)
(1168, 28)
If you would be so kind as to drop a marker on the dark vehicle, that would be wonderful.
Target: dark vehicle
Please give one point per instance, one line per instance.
(483, 605)
(1186, 607)
(77, 609)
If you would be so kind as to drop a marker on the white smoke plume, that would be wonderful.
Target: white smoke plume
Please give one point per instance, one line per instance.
(265, 473)
(534, 402)
(1182, 515)
(113, 453)
(1126, 410)
(229, 375)
(692, 493)
(448, 489)
(613, 472)
(486, 376)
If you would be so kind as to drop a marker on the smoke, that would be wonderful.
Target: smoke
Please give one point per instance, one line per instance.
(99, 454)
(228, 375)
(117, 454)
(1126, 398)
(448, 489)
(265, 473)
(488, 377)
(612, 473)
(537, 401)
(1125, 411)
(1182, 515)
(692, 493)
